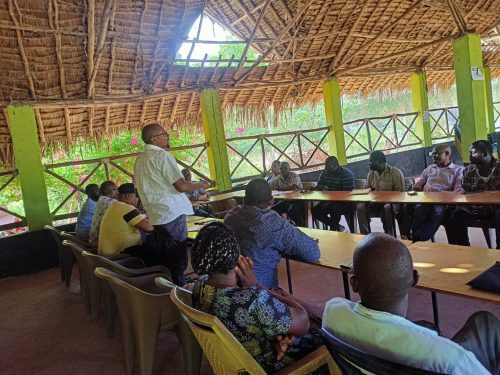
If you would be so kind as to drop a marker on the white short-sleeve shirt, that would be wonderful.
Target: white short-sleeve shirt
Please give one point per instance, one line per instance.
(155, 172)
(396, 339)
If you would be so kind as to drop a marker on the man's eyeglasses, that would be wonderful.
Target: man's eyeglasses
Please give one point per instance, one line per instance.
(157, 135)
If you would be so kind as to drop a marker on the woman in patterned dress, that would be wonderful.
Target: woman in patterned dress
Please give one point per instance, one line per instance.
(273, 326)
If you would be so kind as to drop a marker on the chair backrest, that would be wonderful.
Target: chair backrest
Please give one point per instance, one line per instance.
(353, 361)
(122, 268)
(56, 235)
(224, 352)
(84, 245)
(140, 298)
(360, 183)
(77, 251)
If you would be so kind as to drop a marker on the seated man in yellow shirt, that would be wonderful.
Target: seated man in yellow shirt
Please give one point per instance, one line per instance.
(121, 226)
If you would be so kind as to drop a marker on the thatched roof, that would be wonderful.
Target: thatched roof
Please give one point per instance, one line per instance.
(96, 66)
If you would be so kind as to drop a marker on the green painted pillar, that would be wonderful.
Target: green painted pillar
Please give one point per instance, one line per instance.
(418, 83)
(213, 126)
(469, 73)
(488, 94)
(24, 133)
(333, 111)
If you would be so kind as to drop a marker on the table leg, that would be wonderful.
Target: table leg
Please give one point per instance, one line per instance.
(355, 223)
(435, 310)
(345, 281)
(289, 275)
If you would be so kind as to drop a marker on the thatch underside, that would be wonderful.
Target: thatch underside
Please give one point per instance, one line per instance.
(95, 67)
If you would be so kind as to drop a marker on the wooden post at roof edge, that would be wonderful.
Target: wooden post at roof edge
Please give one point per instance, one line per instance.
(469, 73)
(418, 83)
(213, 127)
(488, 93)
(23, 130)
(333, 111)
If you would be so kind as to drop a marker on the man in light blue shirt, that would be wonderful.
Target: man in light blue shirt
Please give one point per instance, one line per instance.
(383, 275)
(84, 219)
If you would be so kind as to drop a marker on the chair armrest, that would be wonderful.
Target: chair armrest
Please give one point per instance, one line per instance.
(148, 270)
(311, 362)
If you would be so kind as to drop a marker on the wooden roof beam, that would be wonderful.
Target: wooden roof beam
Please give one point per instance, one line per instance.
(344, 44)
(391, 25)
(53, 13)
(275, 42)
(457, 16)
(13, 7)
(250, 39)
(396, 55)
(108, 13)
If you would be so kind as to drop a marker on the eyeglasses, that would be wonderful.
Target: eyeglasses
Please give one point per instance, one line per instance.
(157, 135)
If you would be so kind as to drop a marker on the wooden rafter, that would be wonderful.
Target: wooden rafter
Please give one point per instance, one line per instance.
(90, 38)
(54, 24)
(390, 26)
(137, 49)
(345, 42)
(457, 16)
(108, 13)
(275, 42)
(12, 8)
(396, 55)
(250, 39)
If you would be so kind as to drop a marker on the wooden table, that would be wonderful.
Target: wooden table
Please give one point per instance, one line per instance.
(443, 268)
(483, 198)
(447, 268)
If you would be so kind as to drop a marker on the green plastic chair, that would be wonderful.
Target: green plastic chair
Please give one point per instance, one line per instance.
(66, 258)
(145, 310)
(102, 294)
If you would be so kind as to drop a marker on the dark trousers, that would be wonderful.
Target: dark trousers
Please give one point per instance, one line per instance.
(148, 253)
(426, 221)
(170, 240)
(329, 213)
(481, 336)
(462, 216)
(294, 211)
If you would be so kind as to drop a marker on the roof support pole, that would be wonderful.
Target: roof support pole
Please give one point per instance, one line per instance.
(333, 111)
(418, 83)
(488, 93)
(213, 127)
(23, 130)
(469, 73)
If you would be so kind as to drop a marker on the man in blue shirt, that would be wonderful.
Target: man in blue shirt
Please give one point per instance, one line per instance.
(265, 236)
(333, 178)
(84, 219)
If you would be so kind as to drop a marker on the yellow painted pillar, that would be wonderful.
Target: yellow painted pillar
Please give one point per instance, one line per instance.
(333, 111)
(418, 83)
(488, 94)
(24, 133)
(469, 73)
(213, 126)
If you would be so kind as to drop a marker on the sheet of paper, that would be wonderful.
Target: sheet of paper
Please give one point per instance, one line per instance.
(360, 191)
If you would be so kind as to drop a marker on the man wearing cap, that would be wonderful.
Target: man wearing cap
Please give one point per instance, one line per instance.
(121, 224)
(161, 187)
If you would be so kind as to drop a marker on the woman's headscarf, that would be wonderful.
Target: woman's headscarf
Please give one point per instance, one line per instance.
(215, 249)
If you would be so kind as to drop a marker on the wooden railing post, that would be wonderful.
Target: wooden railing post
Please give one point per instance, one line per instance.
(420, 100)
(488, 94)
(469, 73)
(333, 111)
(24, 133)
(213, 126)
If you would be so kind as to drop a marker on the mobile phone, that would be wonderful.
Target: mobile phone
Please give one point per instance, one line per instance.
(412, 192)
(346, 266)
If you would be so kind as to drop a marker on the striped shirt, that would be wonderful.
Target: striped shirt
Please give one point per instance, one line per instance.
(340, 180)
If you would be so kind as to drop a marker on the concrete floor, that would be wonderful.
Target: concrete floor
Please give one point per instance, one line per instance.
(45, 329)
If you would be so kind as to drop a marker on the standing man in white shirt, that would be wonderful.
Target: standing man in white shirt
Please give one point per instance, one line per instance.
(383, 275)
(161, 187)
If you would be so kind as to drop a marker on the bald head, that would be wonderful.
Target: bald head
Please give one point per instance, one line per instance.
(383, 272)
(149, 131)
(441, 155)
